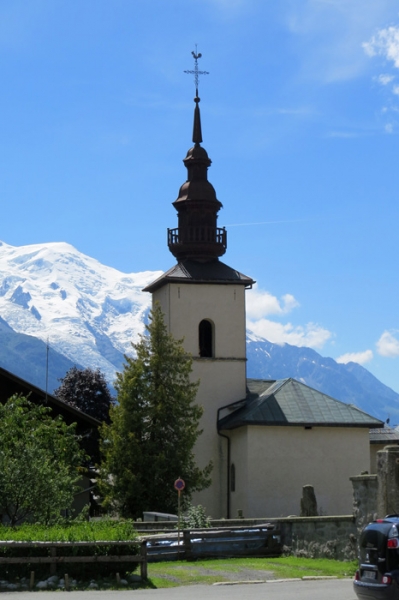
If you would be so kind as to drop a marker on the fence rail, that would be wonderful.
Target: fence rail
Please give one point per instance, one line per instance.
(57, 558)
(226, 542)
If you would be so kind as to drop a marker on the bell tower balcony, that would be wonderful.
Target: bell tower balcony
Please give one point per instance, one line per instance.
(198, 242)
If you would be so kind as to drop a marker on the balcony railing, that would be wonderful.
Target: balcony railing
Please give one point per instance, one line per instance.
(195, 235)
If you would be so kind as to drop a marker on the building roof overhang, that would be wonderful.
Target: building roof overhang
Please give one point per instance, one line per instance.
(195, 272)
(11, 384)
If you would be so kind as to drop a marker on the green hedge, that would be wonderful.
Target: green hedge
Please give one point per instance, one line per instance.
(74, 532)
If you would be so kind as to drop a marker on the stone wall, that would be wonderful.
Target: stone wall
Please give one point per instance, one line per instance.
(388, 481)
(330, 537)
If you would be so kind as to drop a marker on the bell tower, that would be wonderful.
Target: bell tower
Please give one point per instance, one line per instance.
(203, 301)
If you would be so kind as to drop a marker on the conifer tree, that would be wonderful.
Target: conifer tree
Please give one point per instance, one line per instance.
(149, 442)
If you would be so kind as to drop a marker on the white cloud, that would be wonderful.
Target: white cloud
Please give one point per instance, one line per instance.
(333, 31)
(358, 357)
(396, 89)
(260, 303)
(389, 128)
(388, 344)
(385, 43)
(311, 335)
(384, 78)
(342, 134)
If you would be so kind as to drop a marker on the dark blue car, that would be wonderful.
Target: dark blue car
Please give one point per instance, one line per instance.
(377, 577)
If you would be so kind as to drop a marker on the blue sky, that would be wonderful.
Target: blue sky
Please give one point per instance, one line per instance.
(300, 116)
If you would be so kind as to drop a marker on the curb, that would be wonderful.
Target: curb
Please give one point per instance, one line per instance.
(305, 578)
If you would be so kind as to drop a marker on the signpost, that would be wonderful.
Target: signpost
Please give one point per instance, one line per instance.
(179, 485)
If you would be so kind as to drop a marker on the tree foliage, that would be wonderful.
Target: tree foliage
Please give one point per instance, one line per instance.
(39, 460)
(87, 390)
(150, 440)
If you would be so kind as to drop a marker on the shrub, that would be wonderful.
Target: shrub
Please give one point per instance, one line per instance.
(88, 531)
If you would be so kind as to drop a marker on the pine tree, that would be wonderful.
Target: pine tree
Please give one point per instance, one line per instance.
(154, 427)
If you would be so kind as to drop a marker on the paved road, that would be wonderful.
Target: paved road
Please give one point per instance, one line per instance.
(340, 589)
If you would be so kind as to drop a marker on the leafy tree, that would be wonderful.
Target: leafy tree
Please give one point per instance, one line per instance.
(150, 440)
(87, 390)
(39, 461)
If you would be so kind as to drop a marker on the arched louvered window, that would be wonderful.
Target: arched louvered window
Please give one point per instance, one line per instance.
(205, 339)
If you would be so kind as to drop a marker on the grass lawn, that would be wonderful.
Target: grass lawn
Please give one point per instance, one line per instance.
(172, 574)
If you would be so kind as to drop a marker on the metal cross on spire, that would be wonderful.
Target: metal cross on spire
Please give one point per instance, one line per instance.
(196, 71)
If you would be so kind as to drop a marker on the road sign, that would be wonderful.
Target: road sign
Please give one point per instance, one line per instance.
(179, 485)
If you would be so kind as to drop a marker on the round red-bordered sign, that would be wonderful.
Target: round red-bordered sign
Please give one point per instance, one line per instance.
(179, 485)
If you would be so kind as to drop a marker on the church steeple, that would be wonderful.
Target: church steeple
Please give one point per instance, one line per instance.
(197, 236)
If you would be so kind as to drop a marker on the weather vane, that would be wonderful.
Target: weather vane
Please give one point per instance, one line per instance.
(196, 71)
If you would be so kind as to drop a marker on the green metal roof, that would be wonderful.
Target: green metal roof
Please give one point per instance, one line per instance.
(290, 402)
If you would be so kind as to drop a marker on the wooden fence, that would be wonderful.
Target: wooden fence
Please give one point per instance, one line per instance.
(262, 540)
(57, 558)
(207, 543)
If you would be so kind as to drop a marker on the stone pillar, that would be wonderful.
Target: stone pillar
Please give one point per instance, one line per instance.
(365, 488)
(308, 502)
(388, 481)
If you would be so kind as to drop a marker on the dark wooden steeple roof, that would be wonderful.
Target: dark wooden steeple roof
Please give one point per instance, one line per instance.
(198, 242)
(197, 236)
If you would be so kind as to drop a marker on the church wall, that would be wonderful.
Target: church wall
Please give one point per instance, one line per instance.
(222, 378)
(186, 305)
(281, 460)
(239, 458)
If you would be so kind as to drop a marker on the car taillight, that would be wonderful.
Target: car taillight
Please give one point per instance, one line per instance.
(387, 579)
(393, 543)
(357, 576)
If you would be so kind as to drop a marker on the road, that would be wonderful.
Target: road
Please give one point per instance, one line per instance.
(340, 589)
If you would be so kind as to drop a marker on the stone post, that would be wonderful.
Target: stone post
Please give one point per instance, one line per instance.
(365, 489)
(388, 481)
(308, 502)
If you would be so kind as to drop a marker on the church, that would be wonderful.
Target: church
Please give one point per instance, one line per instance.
(266, 439)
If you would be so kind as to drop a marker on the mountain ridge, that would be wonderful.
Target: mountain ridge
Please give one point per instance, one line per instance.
(88, 314)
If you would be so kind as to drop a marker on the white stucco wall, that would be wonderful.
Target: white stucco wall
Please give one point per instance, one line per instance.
(274, 463)
(186, 305)
(222, 378)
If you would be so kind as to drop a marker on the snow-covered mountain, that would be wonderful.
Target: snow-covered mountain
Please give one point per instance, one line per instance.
(89, 314)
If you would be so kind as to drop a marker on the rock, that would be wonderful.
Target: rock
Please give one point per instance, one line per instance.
(41, 585)
(93, 585)
(53, 579)
(134, 578)
(12, 587)
(123, 582)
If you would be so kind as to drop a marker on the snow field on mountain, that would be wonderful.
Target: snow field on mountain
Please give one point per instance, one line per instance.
(87, 311)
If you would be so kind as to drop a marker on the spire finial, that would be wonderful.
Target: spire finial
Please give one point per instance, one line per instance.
(197, 133)
(196, 71)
